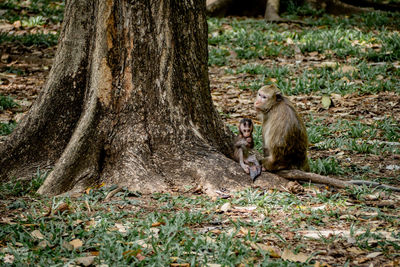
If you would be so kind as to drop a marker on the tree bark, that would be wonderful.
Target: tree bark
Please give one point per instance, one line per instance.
(128, 102)
(272, 11)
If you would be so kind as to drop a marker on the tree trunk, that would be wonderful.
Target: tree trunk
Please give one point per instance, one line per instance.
(127, 102)
(272, 11)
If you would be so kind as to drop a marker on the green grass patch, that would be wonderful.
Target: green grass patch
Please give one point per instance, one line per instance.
(18, 187)
(37, 39)
(7, 128)
(26, 10)
(163, 228)
(7, 102)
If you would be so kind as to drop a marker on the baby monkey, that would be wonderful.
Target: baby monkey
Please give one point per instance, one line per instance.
(244, 145)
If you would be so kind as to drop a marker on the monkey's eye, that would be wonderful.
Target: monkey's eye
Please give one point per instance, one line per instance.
(264, 96)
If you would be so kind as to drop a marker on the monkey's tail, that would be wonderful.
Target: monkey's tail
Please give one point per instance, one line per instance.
(321, 179)
(375, 185)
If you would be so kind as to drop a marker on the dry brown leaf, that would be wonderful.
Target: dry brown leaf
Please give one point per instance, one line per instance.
(44, 244)
(290, 256)
(37, 234)
(347, 69)
(355, 250)
(272, 251)
(121, 228)
(328, 64)
(76, 243)
(156, 224)
(225, 207)
(373, 255)
(8, 258)
(85, 261)
(62, 207)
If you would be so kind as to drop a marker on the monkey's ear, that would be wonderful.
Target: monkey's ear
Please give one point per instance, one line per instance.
(278, 96)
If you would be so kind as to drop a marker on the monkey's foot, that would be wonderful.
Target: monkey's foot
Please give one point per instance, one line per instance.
(255, 171)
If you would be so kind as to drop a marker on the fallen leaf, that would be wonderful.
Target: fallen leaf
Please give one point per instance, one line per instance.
(121, 228)
(142, 243)
(17, 24)
(329, 64)
(37, 234)
(156, 224)
(347, 69)
(8, 258)
(62, 208)
(326, 102)
(225, 207)
(85, 261)
(348, 217)
(44, 244)
(355, 250)
(245, 209)
(134, 253)
(95, 253)
(290, 256)
(67, 246)
(373, 255)
(272, 251)
(76, 243)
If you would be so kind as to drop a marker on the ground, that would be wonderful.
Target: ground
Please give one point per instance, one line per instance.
(342, 73)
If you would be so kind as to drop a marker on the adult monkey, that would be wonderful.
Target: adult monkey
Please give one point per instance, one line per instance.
(284, 135)
(285, 142)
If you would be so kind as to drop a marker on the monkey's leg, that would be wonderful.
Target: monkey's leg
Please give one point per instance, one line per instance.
(269, 163)
(255, 170)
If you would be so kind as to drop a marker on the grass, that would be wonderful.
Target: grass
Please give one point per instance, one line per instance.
(38, 39)
(22, 10)
(189, 230)
(7, 128)
(18, 188)
(7, 102)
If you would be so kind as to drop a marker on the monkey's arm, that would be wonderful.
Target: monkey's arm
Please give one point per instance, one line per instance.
(321, 179)
(244, 166)
(240, 143)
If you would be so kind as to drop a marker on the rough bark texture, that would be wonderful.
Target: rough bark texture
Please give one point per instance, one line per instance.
(43, 134)
(128, 102)
(272, 10)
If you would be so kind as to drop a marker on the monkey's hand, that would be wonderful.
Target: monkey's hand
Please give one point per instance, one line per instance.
(241, 143)
(245, 167)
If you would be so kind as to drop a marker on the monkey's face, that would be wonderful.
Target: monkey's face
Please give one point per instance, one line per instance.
(246, 130)
(266, 98)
